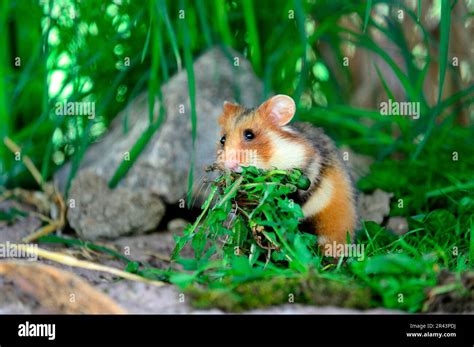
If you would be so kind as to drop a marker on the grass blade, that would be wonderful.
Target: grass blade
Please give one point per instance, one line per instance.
(85, 244)
(444, 44)
(136, 150)
(471, 244)
(188, 61)
(201, 11)
(300, 18)
(74, 262)
(445, 26)
(4, 118)
(366, 42)
(13, 147)
(368, 8)
(162, 9)
(80, 151)
(133, 94)
(254, 43)
(147, 39)
(49, 149)
(223, 23)
(153, 83)
(455, 98)
(419, 11)
(384, 83)
(450, 189)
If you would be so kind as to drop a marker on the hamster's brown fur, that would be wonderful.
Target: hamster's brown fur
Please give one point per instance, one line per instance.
(262, 137)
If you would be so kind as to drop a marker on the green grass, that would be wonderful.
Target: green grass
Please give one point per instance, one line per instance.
(443, 62)
(222, 22)
(367, 14)
(4, 65)
(398, 270)
(258, 230)
(254, 42)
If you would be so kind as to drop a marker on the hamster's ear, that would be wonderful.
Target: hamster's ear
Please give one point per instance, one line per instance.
(229, 110)
(230, 107)
(280, 109)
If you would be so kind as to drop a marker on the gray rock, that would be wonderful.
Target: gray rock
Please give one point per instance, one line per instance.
(100, 212)
(398, 225)
(374, 207)
(161, 171)
(306, 309)
(154, 249)
(146, 298)
(19, 228)
(13, 301)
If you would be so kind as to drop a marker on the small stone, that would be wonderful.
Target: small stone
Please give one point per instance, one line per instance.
(177, 225)
(398, 225)
(374, 207)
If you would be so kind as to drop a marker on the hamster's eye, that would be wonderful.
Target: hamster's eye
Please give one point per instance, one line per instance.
(223, 140)
(249, 135)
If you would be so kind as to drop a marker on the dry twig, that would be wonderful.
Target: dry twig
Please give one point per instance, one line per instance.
(50, 190)
(71, 261)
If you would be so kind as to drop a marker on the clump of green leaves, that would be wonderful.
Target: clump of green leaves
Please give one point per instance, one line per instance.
(249, 225)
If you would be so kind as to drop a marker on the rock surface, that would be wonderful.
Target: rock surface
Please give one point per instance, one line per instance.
(101, 212)
(398, 225)
(19, 228)
(161, 170)
(51, 289)
(374, 207)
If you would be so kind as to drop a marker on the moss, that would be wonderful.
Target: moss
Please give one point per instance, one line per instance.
(309, 290)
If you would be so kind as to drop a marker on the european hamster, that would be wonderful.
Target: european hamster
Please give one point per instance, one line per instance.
(263, 137)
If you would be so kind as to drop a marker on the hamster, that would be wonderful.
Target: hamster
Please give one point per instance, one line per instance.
(263, 137)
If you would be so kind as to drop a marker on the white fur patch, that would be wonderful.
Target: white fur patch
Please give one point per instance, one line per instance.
(314, 168)
(320, 198)
(287, 154)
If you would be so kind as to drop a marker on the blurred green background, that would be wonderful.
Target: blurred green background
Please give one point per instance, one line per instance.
(338, 58)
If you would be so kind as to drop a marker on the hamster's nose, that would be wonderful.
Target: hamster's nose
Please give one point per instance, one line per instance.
(233, 165)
